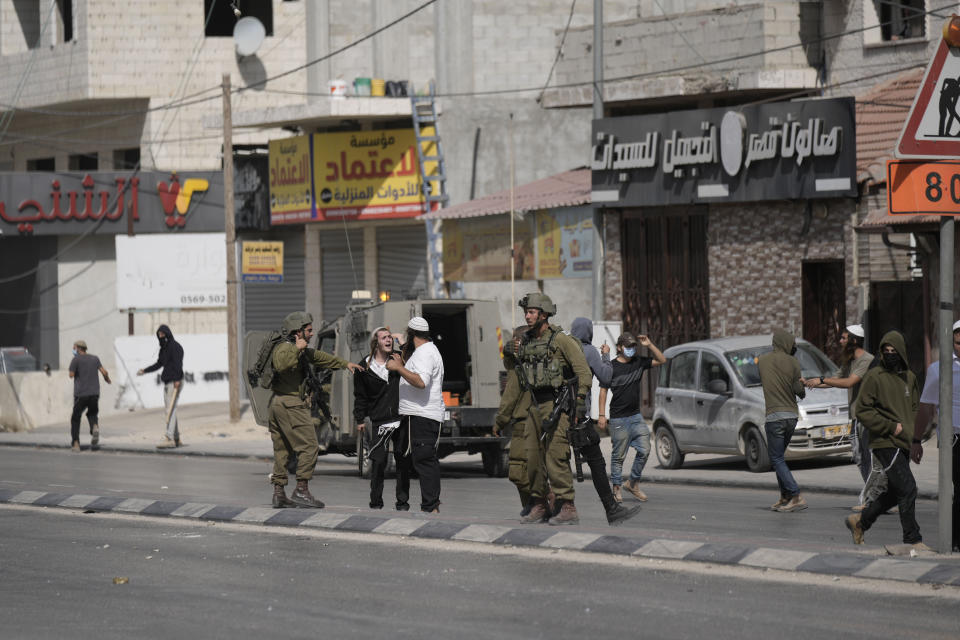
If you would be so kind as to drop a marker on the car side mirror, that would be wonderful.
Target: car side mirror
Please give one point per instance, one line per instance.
(717, 386)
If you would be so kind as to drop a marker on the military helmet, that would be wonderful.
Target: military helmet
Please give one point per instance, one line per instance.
(296, 321)
(537, 300)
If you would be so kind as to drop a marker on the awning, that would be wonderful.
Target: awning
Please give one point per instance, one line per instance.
(568, 189)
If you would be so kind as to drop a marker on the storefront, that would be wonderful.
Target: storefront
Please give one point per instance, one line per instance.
(58, 252)
(729, 221)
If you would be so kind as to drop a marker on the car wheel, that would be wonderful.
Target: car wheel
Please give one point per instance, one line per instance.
(756, 451)
(496, 461)
(668, 453)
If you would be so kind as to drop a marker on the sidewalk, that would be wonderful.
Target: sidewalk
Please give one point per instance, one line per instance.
(206, 430)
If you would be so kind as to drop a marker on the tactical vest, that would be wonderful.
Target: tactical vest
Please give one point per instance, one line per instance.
(541, 363)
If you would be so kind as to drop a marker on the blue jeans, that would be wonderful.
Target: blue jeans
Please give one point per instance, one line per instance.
(779, 433)
(631, 431)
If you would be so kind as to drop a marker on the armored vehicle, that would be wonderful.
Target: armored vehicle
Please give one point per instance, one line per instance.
(467, 334)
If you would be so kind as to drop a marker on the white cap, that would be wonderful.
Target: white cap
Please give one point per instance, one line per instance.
(855, 330)
(956, 325)
(418, 324)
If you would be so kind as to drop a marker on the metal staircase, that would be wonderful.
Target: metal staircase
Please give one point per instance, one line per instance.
(433, 171)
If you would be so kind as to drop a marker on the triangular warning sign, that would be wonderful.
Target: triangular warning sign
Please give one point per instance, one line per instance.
(932, 130)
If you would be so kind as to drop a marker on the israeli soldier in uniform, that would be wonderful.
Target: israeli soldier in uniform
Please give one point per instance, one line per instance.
(512, 415)
(549, 360)
(291, 426)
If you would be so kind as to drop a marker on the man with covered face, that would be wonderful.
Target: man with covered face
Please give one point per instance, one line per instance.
(782, 385)
(887, 404)
(170, 359)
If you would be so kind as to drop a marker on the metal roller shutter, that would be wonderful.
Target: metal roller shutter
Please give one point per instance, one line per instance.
(265, 305)
(341, 275)
(402, 260)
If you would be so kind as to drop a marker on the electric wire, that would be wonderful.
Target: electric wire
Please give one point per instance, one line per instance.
(556, 58)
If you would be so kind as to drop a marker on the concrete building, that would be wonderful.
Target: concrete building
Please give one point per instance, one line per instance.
(722, 266)
(104, 86)
(488, 61)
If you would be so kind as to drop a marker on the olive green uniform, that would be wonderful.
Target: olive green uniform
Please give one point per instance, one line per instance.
(291, 426)
(547, 361)
(511, 415)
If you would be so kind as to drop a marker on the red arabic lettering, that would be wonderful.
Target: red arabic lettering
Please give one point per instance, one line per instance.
(36, 212)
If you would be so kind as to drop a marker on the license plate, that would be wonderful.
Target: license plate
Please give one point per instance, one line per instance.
(837, 431)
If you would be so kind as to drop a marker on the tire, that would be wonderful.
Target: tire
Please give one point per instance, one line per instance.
(496, 461)
(668, 452)
(755, 450)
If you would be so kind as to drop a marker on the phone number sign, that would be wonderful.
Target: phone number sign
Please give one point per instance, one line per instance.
(923, 187)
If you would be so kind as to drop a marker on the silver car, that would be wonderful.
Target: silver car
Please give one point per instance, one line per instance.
(709, 400)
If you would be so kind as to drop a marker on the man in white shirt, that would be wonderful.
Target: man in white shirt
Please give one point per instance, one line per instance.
(929, 403)
(421, 406)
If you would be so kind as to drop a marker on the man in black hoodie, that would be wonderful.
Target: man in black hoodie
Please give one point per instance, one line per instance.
(582, 330)
(171, 359)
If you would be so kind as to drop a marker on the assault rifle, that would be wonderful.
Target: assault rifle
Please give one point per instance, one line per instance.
(313, 385)
(566, 403)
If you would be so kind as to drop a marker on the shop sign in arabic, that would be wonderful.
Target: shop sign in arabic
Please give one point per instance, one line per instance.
(290, 176)
(744, 154)
(36, 204)
(262, 262)
(367, 173)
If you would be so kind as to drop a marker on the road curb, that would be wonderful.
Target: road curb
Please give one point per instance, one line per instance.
(653, 478)
(861, 565)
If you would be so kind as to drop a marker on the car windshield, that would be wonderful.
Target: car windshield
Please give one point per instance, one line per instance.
(813, 363)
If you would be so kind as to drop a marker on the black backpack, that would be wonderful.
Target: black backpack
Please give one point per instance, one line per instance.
(262, 371)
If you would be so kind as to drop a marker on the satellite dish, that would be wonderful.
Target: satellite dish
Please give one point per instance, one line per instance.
(248, 35)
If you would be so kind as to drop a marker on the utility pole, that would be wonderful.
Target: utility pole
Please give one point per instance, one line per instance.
(229, 226)
(945, 486)
(599, 282)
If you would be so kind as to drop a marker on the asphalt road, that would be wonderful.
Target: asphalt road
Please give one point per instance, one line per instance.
(189, 579)
(716, 514)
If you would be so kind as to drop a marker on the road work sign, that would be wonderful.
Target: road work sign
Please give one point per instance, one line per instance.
(931, 188)
(932, 130)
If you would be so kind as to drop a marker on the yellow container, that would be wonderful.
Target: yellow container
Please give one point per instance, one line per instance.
(377, 87)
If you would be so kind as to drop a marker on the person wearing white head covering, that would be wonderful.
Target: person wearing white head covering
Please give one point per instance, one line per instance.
(929, 403)
(854, 363)
(421, 406)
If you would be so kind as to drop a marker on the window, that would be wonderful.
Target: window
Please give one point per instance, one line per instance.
(711, 368)
(126, 159)
(65, 13)
(222, 20)
(893, 20)
(41, 164)
(683, 368)
(83, 162)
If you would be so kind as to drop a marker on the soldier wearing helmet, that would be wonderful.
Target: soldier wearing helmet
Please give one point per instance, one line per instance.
(291, 427)
(548, 360)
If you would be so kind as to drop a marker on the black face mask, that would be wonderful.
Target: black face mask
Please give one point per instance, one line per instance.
(891, 361)
(163, 341)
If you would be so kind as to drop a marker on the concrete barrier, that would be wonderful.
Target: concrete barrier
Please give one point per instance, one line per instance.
(35, 399)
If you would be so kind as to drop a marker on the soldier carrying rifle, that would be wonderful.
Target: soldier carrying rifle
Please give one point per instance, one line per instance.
(546, 358)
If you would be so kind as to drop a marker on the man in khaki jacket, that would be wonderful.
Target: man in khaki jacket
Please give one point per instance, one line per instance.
(291, 427)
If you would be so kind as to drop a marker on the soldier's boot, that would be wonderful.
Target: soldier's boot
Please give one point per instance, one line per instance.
(526, 503)
(302, 497)
(567, 515)
(538, 512)
(616, 512)
(280, 499)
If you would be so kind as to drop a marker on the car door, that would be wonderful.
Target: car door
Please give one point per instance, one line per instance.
(679, 398)
(715, 419)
